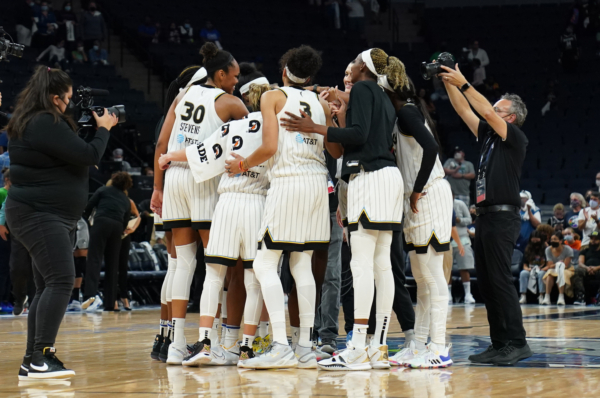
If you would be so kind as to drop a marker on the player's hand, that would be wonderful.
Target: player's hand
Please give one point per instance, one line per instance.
(129, 231)
(4, 232)
(341, 111)
(414, 198)
(299, 124)
(232, 166)
(108, 120)
(324, 95)
(164, 161)
(156, 202)
(461, 250)
(453, 76)
(338, 217)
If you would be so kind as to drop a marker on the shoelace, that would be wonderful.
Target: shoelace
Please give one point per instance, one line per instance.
(197, 345)
(506, 350)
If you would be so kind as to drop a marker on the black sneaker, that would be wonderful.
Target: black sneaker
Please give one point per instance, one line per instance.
(158, 342)
(46, 366)
(24, 369)
(510, 355)
(164, 350)
(485, 356)
(199, 354)
(19, 306)
(246, 353)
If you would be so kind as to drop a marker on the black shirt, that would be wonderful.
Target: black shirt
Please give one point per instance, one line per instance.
(109, 202)
(503, 172)
(49, 166)
(592, 257)
(332, 169)
(367, 139)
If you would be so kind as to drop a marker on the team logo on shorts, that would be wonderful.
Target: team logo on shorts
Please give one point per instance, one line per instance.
(180, 138)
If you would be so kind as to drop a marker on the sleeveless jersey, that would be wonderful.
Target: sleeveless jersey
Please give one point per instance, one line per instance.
(408, 158)
(299, 154)
(195, 119)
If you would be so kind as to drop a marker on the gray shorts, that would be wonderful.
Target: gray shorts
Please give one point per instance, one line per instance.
(82, 240)
(466, 262)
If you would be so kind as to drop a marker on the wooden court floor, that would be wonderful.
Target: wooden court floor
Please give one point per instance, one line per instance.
(110, 353)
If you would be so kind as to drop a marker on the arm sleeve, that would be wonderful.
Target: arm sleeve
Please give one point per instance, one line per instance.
(361, 103)
(93, 203)
(411, 122)
(58, 140)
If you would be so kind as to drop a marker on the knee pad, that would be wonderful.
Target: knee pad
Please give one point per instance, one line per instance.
(172, 266)
(254, 300)
(80, 263)
(213, 283)
(184, 273)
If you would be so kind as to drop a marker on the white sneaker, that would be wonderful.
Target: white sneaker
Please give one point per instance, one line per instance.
(307, 358)
(546, 300)
(277, 356)
(406, 353)
(320, 354)
(469, 299)
(378, 356)
(523, 299)
(177, 353)
(74, 305)
(432, 358)
(200, 354)
(349, 359)
(223, 356)
(561, 299)
(541, 299)
(94, 305)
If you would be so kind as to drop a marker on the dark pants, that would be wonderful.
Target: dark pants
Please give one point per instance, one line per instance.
(21, 271)
(124, 266)
(347, 289)
(495, 237)
(4, 270)
(199, 276)
(105, 242)
(578, 279)
(49, 240)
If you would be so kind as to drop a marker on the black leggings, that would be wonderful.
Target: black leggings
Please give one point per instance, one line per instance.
(21, 271)
(124, 266)
(105, 242)
(49, 240)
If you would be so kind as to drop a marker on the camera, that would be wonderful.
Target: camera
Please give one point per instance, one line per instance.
(86, 103)
(7, 47)
(435, 68)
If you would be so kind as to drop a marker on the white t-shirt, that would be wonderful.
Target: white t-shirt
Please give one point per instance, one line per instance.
(355, 9)
(589, 226)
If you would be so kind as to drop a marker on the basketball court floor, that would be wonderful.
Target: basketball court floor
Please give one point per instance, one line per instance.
(111, 354)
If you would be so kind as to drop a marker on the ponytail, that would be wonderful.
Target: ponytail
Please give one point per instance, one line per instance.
(396, 73)
(214, 59)
(182, 80)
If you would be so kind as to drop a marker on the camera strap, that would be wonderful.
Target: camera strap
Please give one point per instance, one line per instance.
(486, 153)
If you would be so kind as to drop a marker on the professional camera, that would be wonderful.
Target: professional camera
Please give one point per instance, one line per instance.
(435, 68)
(7, 47)
(86, 103)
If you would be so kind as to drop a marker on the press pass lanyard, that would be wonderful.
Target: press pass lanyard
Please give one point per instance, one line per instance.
(480, 184)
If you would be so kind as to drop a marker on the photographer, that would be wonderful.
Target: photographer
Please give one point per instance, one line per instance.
(49, 167)
(498, 203)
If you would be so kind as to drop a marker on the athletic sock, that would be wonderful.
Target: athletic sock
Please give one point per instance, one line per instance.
(359, 336)
(170, 330)
(214, 333)
(247, 340)
(223, 333)
(409, 335)
(164, 326)
(179, 330)
(467, 286)
(263, 329)
(305, 337)
(75, 294)
(204, 333)
(382, 324)
(295, 335)
(231, 335)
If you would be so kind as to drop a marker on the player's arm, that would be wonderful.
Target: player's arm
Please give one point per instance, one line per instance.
(229, 107)
(335, 150)
(167, 158)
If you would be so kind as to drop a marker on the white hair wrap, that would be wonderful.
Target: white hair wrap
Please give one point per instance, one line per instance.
(383, 82)
(294, 78)
(366, 57)
(246, 87)
(199, 75)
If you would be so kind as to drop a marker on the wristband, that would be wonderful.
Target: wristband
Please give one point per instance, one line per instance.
(315, 89)
(465, 87)
(242, 166)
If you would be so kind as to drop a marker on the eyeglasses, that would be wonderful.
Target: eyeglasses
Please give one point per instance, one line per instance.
(498, 110)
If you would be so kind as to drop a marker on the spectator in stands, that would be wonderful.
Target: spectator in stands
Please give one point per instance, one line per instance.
(98, 55)
(158, 36)
(587, 268)
(569, 50)
(550, 96)
(210, 33)
(578, 203)
(356, 17)
(546, 232)
(67, 23)
(530, 219)
(480, 54)
(147, 31)
(459, 173)
(478, 74)
(532, 276)
(56, 56)
(558, 268)
(47, 26)
(333, 10)
(558, 220)
(148, 171)
(587, 221)
(572, 239)
(24, 20)
(174, 36)
(187, 32)
(93, 26)
(79, 56)
(466, 262)
(118, 157)
(597, 181)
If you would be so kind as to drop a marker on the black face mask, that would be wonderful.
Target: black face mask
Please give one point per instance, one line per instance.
(554, 244)
(594, 246)
(70, 109)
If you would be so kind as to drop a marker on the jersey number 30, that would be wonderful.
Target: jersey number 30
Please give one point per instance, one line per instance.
(198, 113)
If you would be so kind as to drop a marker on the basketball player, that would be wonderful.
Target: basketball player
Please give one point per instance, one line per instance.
(427, 222)
(296, 216)
(193, 116)
(375, 191)
(234, 231)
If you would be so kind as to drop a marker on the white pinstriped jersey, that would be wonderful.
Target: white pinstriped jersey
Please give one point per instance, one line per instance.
(408, 158)
(195, 120)
(299, 154)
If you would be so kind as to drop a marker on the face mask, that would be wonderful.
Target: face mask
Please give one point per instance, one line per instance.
(187, 25)
(457, 156)
(536, 244)
(44, 8)
(68, 8)
(118, 159)
(594, 246)
(569, 238)
(575, 203)
(70, 109)
(96, 48)
(554, 244)
(598, 183)
(593, 204)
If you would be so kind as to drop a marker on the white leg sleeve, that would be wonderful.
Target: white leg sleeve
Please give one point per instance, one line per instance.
(167, 287)
(265, 269)
(438, 296)
(384, 283)
(423, 310)
(301, 269)
(254, 299)
(223, 300)
(184, 274)
(213, 283)
(363, 242)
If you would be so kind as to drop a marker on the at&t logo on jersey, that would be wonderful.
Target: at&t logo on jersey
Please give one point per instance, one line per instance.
(305, 140)
(180, 138)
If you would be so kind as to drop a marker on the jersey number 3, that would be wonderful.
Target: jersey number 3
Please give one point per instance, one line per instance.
(198, 113)
(306, 107)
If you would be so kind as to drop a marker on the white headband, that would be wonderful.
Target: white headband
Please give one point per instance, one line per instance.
(366, 57)
(383, 82)
(246, 87)
(293, 78)
(199, 75)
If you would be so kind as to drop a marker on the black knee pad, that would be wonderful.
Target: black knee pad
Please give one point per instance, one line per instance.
(80, 263)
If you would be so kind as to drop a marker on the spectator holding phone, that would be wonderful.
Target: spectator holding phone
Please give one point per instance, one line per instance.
(587, 221)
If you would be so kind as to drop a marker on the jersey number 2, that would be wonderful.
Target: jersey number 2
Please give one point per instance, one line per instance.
(198, 114)
(306, 108)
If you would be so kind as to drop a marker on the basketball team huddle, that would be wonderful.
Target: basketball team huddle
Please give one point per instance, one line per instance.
(253, 186)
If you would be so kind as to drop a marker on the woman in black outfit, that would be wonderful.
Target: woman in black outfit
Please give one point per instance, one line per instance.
(49, 170)
(110, 222)
(124, 258)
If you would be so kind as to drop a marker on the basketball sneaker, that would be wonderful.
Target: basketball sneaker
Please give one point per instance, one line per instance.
(433, 357)
(378, 356)
(277, 356)
(245, 354)
(24, 369)
(45, 365)
(158, 342)
(223, 356)
(349, 359)
(257, 345)
(469, 299)
(93, 305)
(74, 306)
(307, 358)
(164, 349)
(322, 354)
(546, 300)
(406, 353)
(177, 353)
(19, 306)
(199, 355)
